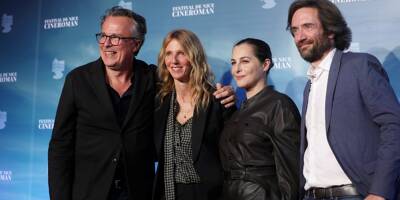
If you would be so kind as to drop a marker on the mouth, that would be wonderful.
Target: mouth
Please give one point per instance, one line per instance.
(238, 78)
(176, 68)
(109, 52)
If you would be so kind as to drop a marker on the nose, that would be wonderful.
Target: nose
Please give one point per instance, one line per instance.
(174, 58)
(299, 35)
(107, 42)
(236, 68)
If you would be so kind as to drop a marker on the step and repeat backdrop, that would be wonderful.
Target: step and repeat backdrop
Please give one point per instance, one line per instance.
(42, 40)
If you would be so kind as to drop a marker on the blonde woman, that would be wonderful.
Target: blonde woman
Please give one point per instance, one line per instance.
(188, 122)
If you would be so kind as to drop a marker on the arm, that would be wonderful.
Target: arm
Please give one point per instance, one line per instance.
(61, 147)
(384, 109)
(286, 127)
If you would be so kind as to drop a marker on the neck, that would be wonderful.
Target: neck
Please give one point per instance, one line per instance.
(119, 80)
(183, 91)
(317, 62)
(256, 89)
(121, 76)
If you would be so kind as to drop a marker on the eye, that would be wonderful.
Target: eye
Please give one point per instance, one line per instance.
(293, 30)
(309, 26)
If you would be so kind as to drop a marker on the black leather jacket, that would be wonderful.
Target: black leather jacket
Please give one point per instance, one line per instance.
(259, 149)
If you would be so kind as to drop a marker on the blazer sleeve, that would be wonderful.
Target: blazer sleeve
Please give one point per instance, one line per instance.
(286, 127)
(61, 147)
(384, 108)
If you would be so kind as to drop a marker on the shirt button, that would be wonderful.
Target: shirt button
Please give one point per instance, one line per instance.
(114, 160)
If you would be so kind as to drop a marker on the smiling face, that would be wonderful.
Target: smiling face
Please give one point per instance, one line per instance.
(311, 41)
(177, 62)
(117, 57)
(248, 71)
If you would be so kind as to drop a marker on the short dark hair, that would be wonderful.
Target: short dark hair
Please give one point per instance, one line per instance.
(261, 49)
(140, 28)
(331, 19)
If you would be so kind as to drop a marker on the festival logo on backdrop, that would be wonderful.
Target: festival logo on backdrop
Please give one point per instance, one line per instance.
(6, 23)
(125, 4)
(45, 124)
(5, 176)
(3, 119)
(61, 22)
(8, 77)
(193, 10)
(58, 68)
(268, 4)
(281, 63)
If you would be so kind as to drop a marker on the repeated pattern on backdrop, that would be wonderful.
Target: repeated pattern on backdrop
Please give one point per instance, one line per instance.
(42, 40)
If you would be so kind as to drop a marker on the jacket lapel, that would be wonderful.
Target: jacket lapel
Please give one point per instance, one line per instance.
(330, 90)
(303, 115)
(139, 87)
(160, 120)
(199, 124)
(99, 85)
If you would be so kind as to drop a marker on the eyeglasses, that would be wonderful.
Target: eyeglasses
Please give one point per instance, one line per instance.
(114, 40)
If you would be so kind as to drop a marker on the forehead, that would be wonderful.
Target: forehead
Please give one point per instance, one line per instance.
(174, 45)
(118, 25)
(242, 50)
(304, 16)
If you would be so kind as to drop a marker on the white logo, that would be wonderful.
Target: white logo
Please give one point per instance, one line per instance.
(268, 4)
(8, 77)
(282, 62)
(193, 10)
(64, 22)
(6, 23)
(5, 176)
(126, 5)
(3, 119)
(57, 68)
(44, 124)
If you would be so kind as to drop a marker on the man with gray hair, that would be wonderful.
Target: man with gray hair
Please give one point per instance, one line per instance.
(101, 147)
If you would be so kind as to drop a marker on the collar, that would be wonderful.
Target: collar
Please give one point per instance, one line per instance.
(314, 72)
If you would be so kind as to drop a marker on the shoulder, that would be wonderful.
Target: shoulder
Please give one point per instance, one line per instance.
(145, 68)
(362, 64)
(86, 68)
(359, 59)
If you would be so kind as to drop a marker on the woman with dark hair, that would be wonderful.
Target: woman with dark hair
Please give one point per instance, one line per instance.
(188, 122)
(259, 145)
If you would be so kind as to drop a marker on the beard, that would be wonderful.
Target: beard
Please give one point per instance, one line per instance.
(319, 46)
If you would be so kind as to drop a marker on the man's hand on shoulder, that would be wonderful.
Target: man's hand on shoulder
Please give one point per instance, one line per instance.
(225, 94)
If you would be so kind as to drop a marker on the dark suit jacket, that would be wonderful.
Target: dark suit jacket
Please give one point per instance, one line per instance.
(206, 129)
(362, 123)
(87, 141)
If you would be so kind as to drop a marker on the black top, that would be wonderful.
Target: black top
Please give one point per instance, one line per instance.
(121, 107)
(260, 145)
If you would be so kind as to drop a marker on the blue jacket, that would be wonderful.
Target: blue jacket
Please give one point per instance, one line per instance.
(362, 117)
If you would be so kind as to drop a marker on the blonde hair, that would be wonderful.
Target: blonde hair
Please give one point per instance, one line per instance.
(201, 77)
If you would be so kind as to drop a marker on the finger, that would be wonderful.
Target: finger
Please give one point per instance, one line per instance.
(219, 90)
(228, 99)
(229, 105)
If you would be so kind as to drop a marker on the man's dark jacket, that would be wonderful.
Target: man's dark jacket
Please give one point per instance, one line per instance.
(87, 141)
